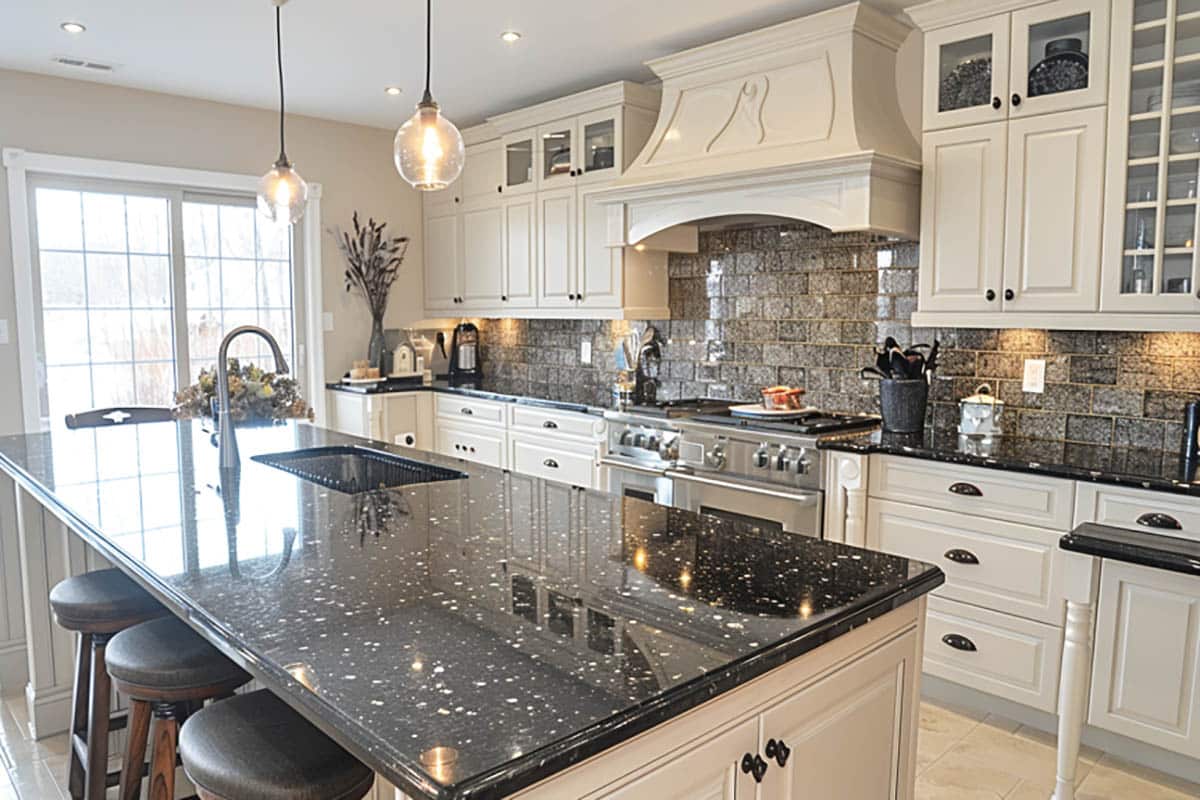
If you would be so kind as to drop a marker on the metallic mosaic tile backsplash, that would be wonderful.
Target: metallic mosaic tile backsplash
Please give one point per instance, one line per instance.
(796, 304)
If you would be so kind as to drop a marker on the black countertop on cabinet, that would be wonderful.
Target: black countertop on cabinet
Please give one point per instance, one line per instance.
(466, 389)
(1169, 553)
(526, 624)
(1124, 466)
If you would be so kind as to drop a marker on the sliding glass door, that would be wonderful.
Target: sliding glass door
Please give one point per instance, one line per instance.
(137, 285)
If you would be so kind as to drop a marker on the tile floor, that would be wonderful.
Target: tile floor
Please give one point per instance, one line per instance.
(961, 755)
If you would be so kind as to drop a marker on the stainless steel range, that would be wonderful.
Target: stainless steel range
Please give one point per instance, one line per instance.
(764, 472)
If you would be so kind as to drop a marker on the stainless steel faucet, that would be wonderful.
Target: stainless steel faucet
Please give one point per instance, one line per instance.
(227, 439)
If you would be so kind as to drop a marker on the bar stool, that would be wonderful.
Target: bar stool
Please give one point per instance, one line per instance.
(255, 747)
(96, 605)
(166, 670)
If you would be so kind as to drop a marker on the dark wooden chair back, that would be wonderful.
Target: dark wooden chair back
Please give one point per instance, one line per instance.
(121, 415)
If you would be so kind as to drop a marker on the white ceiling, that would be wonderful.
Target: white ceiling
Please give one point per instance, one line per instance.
(340, 54)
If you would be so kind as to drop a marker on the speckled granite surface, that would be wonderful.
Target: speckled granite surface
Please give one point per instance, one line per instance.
(525, 624)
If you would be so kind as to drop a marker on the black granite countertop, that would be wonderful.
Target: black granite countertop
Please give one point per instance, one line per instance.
(1124, 466)
(468, 389)
(526, 624)
(1169, 553)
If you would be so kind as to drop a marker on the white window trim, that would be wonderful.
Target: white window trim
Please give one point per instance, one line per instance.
(20, 163)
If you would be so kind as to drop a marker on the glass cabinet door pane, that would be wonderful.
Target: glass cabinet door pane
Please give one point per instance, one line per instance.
(1179, 229)
(599, 145)
(1142, 184)
(1139, 228)
(965, 73)
(556, 153)
(1182, 179)
(1185, 134)
(1138, 274)
(518, 162)
(1058, 55)
(1149, 10)
(1177, 273)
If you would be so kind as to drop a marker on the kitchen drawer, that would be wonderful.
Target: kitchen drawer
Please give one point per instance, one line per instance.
(1138, 509)
(474, 443)
(546, 458)
(469, 409)
(982, 492)
(999, 565)
(549, 422)
(1012, 657)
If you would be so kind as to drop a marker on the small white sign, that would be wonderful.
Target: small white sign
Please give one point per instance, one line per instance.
(585, 352)
(1035, 376)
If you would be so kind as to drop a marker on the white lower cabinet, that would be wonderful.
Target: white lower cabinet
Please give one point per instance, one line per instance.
(479, 443)
(404, 418)
(1144, 678)
(708, 771)
(553, 459)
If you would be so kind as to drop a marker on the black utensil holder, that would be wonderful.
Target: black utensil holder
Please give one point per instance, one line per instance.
(902, 405)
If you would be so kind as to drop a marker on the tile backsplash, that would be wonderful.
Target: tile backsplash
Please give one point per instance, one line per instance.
(799, 305)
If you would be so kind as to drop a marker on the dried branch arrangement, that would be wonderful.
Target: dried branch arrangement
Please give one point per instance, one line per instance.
(373, 262)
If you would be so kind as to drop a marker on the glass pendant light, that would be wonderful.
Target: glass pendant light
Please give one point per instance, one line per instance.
(282, 193)
(428, 149)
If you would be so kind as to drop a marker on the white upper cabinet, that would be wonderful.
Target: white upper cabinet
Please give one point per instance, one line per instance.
(520, 252)
(556, 158)
(556, 248)
(482, 256)
(483, 174)
(442, 280)
(966, 73)
(1059, 58)
(517, 165)
(600, 153)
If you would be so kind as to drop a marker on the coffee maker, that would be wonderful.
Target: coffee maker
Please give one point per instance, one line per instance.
(464, 353)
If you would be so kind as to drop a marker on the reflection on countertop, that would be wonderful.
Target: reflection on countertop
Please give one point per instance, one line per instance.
(1125, 466)
(476, 388)
(525, 624)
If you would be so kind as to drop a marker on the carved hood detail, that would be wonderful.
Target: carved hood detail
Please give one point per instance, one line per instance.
(797, 120)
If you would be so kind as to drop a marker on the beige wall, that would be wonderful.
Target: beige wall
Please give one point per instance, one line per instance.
(352, 162)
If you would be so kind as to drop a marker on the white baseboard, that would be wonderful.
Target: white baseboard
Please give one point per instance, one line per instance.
(49, 710)
(14, 667)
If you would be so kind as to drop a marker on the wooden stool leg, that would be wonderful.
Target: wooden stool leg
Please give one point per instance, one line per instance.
(162, 759)
(79, 712)
(135, 750)
(97, 734)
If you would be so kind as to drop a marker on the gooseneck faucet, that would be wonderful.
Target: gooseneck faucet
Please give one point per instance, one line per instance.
(227, 439)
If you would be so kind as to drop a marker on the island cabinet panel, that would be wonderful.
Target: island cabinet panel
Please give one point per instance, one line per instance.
(708, 771)
(1147, 662)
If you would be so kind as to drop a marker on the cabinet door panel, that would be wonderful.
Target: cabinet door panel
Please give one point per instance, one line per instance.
(599, 265)
(707, 771)
(966, 71)
(556, 247)
(1144, 678)
(520, 253)
(483, 268)
(483, 172)
(962, 219)
(441, 261)
(1035, 32)
(560, 538)
(1053, 221)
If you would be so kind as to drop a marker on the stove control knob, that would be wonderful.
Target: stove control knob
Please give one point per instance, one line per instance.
(762, 457)
(668, 450)
(784, 462)
(652, 443)
(639, 440)
(626, 437)
(715, 458)
(803, 463)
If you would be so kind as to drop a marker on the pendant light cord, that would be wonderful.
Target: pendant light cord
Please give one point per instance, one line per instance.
(279, 62)
(428, 98)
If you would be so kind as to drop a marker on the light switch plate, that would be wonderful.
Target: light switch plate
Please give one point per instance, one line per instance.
(585, 352)
(1034, 380)
(327, 321)
(3, 331)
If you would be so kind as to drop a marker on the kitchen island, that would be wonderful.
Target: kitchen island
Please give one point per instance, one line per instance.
(490, 634)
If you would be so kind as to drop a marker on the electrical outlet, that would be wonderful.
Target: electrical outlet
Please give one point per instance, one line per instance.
(327, 321)
(585, 352)
(3, 331)
(1034, 380)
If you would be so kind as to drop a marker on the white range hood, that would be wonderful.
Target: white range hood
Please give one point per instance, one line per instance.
(798, 120)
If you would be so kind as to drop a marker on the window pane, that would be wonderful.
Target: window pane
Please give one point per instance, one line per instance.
(104, 222)
(274, 241)
(203, 283)
(152, 336)
(110, 335)
(65, 334)
(69, 391)
(59, 220)
(275, 284)
(150, 281)
(200, 236)
(149, 230)
(113, 384)
(204, 337)
(155, 383)
(237, 231)
(107, 280)
(62, 280)
(238, 283)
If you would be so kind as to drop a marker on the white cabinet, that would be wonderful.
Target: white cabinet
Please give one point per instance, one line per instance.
(478, 443)
(404, 418)
(1147, 659)
(482, 261)
(966, 73)
(962, 243)
(556, 231)
(519, 216)
(709, 771)
(442, 264)
(599, 280)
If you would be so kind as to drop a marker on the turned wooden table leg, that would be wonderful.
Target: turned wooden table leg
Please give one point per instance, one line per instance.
(1082, 572)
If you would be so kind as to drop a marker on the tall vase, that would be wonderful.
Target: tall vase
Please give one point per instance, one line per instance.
(375, 348)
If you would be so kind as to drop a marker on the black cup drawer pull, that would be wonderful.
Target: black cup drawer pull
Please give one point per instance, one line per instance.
(1163, 521)
(550, 424)
(959, 642)
(966, 489)
(754, 765)
(551, 463)
(467, 411)
(960, 556)
(778, 751)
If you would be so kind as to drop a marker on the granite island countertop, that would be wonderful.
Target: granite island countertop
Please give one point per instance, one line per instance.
(526, 624)
(1158, 470)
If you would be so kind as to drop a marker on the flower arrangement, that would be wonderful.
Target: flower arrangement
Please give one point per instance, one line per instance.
(254, 395)
(373, 264)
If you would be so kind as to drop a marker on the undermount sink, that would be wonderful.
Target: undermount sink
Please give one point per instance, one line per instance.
(354, 470)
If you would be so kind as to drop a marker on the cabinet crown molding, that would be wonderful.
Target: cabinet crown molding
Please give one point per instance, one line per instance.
(625, 93)
(941, 13)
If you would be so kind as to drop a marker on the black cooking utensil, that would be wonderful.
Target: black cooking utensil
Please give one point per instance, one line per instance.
(871, 373)
(931, 359)
(898, 365)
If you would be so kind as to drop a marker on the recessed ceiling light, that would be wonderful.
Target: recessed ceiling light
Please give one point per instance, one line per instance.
(393, 90)
(510, 36)
(73, 27)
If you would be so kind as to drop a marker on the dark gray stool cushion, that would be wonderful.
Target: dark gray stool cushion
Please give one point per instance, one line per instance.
(166, 654)
(255, 745)
(96, 598)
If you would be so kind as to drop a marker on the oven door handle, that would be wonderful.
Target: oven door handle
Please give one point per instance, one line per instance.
(613, 463)
(806, 498)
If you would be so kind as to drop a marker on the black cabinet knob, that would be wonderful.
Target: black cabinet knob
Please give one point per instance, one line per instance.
(551, 463)
(1016, 99)
(500, 189)
(504, 298)
(570, 297)
(550, 424)
(467, 411)
(990, 295)
(959, 642)
(996, 102)
(778, 751)
(960, 556)
(966, 489)
(1009, 294)
(579, 296)
(1163, 521)
(754, 765)
(458, 199)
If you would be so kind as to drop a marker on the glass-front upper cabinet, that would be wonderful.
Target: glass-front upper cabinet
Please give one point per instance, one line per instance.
(1154, 154)
(599, 145)
(520, 155)
(966, 73)
(1059, 57)
(556, 161)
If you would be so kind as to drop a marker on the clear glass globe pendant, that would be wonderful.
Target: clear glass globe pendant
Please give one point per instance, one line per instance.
(428, 149)
(282, 193)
